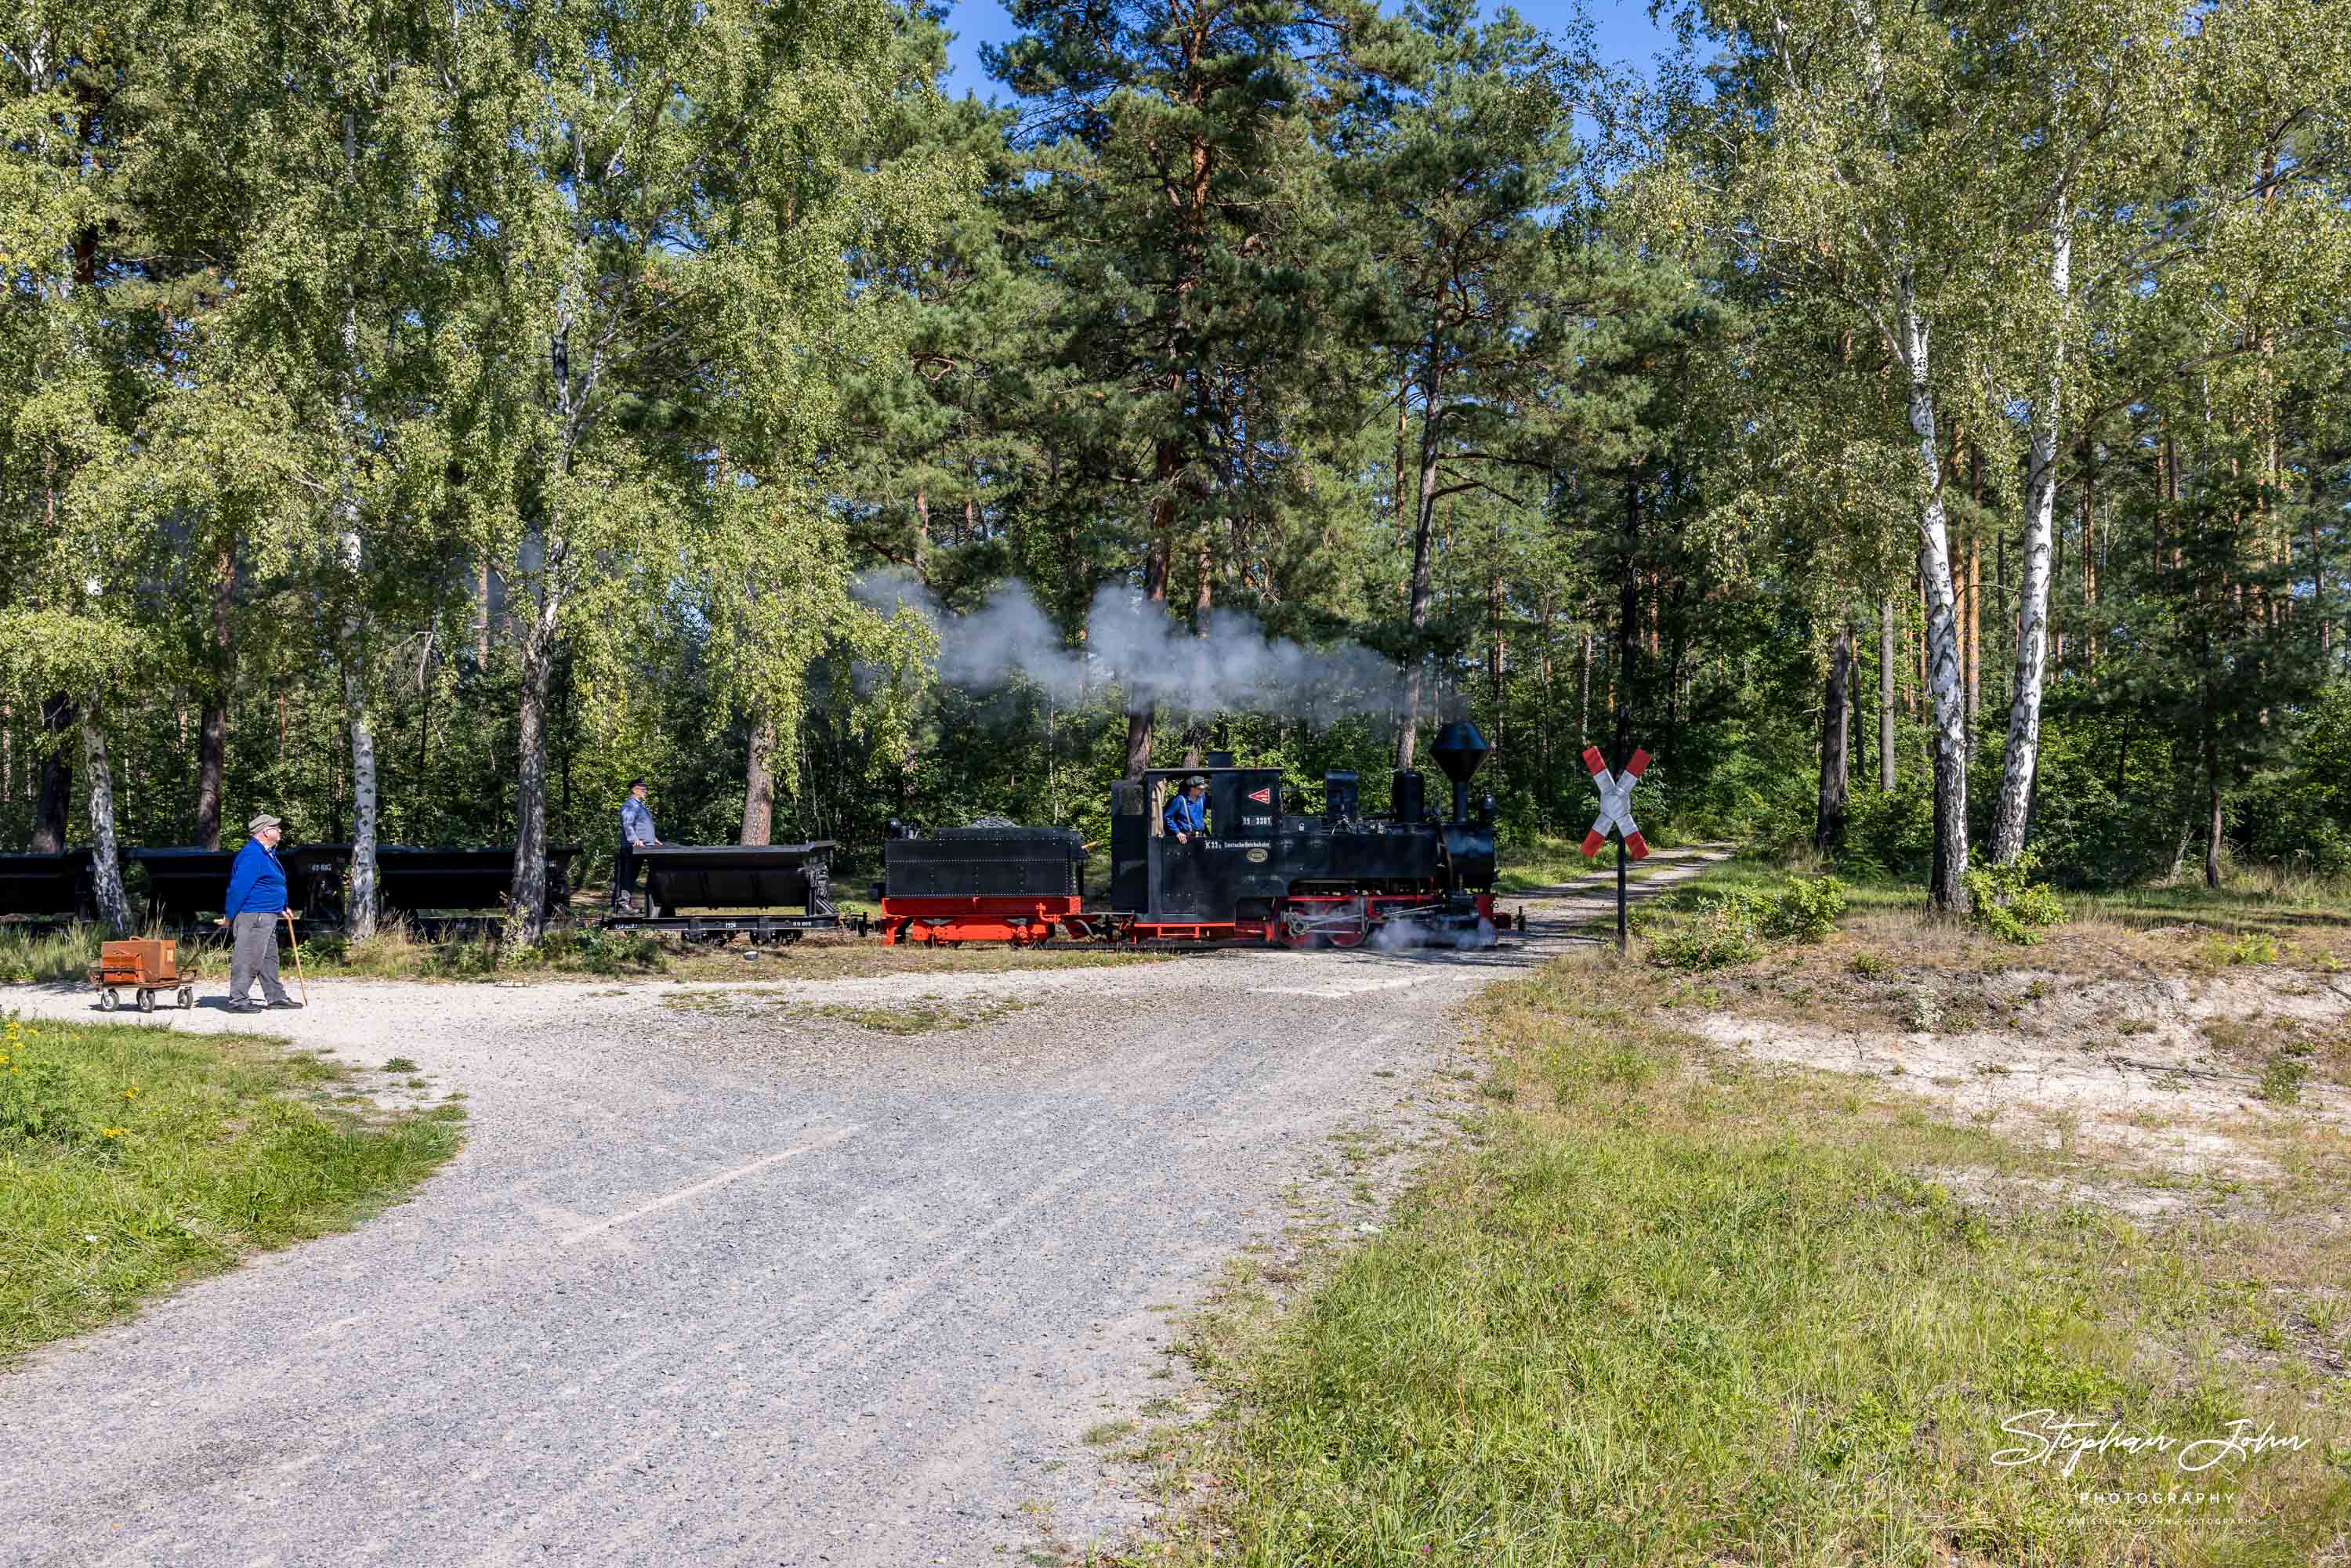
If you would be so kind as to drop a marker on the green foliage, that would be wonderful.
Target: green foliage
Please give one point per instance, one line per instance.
(591, 950)
(1804, 911)
(2282, 1076)
(57, 955)
(1719, 935)
(552, 439)
(2007, 901)
(2251, 947)
(35, 1090)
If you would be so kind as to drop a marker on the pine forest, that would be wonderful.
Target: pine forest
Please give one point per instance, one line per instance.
(1926, 431)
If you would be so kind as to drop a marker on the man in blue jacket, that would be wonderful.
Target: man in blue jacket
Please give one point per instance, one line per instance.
(256, 904)
(636, 834)
(1187, 813)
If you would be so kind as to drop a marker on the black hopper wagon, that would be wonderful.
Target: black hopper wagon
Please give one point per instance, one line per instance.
(187, 884)
(708, 892)
(440, 888)
(1264, 872)
(52, 887)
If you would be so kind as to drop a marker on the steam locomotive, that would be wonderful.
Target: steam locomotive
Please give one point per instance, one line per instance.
(1264, 872)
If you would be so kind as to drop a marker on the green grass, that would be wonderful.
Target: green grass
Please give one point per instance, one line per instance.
(133, 1158)
(47, 955)
(1666, 1308)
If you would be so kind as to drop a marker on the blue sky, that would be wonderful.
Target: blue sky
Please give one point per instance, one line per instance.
(1622, 27)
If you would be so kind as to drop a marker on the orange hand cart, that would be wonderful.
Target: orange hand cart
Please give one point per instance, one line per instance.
(145, 968)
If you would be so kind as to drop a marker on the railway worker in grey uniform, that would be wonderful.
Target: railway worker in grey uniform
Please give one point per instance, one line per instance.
(255, 905)
(636, 833)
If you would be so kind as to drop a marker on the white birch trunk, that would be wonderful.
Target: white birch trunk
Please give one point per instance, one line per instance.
(1886, 654)
(360, 918)
(2033, 607)
(106, 867)
(1946, 888)
(526, 903)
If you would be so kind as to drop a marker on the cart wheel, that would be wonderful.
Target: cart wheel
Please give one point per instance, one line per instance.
(187, 997)
(107, 1002)
(146, 1001)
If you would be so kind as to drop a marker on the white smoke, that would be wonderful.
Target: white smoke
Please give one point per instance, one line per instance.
(1397, 935)
(1136, 645)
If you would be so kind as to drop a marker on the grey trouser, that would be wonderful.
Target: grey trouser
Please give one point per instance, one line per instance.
(255, 956)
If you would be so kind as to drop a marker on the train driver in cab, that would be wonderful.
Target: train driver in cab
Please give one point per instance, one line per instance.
(1188, 810)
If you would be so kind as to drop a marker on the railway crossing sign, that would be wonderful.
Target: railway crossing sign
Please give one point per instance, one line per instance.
(1616, 813)
(1616, 802)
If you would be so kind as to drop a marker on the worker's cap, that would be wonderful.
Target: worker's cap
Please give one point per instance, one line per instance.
(639, 784)
(262, 821)
(1200, 779)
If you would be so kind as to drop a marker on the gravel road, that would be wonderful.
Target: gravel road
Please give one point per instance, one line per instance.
(723, 1276)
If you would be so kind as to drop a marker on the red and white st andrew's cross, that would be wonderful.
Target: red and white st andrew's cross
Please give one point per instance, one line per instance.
(1616, 802)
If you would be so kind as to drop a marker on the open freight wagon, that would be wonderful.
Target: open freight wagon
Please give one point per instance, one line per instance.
(708, 892)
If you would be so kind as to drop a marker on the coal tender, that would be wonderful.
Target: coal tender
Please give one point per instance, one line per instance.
(1267, 869)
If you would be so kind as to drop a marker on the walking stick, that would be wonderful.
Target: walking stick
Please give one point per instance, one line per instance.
(293, 942)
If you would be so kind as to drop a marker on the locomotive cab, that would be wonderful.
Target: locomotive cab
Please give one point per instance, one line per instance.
(1234, 863)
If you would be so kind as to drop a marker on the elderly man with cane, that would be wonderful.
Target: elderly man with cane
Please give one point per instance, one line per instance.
(255, 903)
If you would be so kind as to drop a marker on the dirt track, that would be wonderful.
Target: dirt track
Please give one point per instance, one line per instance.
(735, 1274)
(723, 1277)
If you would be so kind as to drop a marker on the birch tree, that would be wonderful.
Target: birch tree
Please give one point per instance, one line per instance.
(2134, 134)
(656, 218)
(1837, 163)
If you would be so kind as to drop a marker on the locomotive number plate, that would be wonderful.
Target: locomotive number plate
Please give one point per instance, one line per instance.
(1256, 857)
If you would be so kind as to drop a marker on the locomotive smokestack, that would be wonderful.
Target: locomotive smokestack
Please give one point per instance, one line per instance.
(1459, 750)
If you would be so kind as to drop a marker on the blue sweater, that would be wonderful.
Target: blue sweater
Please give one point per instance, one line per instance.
(257, 883)
(1186, 815)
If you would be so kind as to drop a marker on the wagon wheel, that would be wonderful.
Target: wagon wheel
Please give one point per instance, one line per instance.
(107, 1002)
(187, 997)
(146, 1000)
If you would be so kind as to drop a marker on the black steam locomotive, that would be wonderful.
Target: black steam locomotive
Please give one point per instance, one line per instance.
(1263, 871)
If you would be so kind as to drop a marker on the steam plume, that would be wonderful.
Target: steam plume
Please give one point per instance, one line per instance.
(1150, 655)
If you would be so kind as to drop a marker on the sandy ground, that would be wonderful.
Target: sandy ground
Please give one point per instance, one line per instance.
(2124, 1064)
(734, 1274)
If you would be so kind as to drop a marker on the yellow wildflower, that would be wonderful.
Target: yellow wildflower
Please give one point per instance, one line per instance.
(112, 1132)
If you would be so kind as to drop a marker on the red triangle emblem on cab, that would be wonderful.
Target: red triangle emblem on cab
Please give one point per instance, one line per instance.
(1262, 797)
